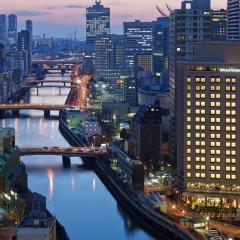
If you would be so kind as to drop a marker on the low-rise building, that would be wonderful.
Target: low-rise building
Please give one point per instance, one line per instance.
(89, 128)
(131, 170)
(38, 223)
(13, 177)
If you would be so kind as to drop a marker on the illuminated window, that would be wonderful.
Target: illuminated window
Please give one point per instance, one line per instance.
(188, 166)
(188, 95)
(188, 79)
(213, 160)
(215, 88)
(189, 159)
(215, 128)
(215, 144)
(188, 174)
(215, 112)
(230, 128)
(215, 96)
(197, 175)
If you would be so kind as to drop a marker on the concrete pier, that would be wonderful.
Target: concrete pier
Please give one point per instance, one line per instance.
(66, 161)
(15, 113)
(47, 113)
(1, 114)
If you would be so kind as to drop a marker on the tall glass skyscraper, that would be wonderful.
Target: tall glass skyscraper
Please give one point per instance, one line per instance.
(12, 29)
(97, 21)
(3, 28)
(233, 9)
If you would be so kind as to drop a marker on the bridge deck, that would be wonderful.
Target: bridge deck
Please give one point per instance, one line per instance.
(74, 151)
(21, 106)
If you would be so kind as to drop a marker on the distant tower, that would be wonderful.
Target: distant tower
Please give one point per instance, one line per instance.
(3, 28)
(24, 49)
(12, 29)
(97, 21)
(29, 28)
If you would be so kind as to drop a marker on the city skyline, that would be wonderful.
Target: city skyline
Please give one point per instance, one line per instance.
(60, 18)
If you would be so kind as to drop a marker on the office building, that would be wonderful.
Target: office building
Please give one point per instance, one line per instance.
(161, 50)
(12, 29)
(29, 28)
(109, 58)
(24, 49)
(219, 26)
(143, 62)
(2, 58)
(130, 91)
(233, 14)
(154, 95)
(191, 23)
(146, 135)
(207, 125)
(97, 21)
(138, 39)
(3, 29)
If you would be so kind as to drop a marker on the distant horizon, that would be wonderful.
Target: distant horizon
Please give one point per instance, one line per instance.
(59, 18)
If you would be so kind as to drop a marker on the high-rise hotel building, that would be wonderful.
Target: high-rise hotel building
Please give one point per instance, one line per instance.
(233, 9)
(97, 21)
(190, 24)
(208, 127)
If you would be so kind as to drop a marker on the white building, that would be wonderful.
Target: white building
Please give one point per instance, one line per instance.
(89, 128)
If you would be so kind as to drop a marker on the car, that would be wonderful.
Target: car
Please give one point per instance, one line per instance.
(216, 238)
(212, 233)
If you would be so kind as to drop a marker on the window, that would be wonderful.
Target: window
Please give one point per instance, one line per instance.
(215, 104)
(197, 175)
(230, 104)
(213, 160)
(215, 168)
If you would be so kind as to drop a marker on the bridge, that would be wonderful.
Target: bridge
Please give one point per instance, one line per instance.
(26, 106)
(50, 81)
(66, 153)
(55, 61)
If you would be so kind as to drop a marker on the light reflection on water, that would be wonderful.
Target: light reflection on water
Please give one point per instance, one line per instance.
(77, 197)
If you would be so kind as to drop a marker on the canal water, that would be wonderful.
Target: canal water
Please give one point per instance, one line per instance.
(77, 197)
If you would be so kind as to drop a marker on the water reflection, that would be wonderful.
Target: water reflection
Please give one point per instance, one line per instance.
(94, 184)
(76, 196)
(50, 174)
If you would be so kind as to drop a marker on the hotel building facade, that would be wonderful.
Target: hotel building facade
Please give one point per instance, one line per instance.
(208, 127)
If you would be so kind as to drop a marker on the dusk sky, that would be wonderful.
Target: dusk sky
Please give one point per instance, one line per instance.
(60, 17)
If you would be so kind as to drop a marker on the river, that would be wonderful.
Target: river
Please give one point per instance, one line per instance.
(77, 197)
